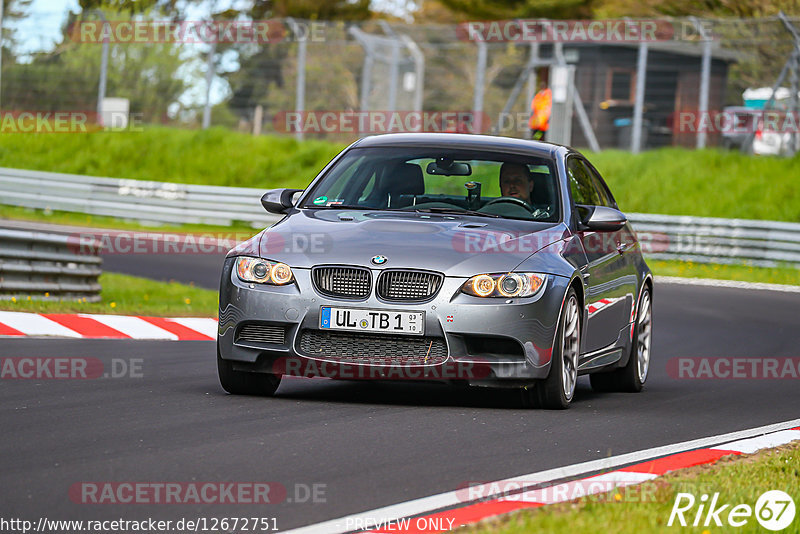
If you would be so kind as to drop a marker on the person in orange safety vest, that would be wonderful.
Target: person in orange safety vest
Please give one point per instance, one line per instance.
(541, 106)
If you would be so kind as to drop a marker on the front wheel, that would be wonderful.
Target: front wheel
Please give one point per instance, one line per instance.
(632, 377)
(556, 391)
(245, 383)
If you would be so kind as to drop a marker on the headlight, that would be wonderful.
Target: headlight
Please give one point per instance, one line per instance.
(504, 285)
(263, 271)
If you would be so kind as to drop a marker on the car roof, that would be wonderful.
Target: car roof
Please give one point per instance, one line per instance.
(461, 141)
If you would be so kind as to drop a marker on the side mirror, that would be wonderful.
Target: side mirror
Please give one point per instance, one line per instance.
(278, 200)
(601, 219)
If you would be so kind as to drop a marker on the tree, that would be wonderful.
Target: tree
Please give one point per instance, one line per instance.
(12, 10)
(66, 78)
(261, 68)
(511, 9)
(598, 9)
(129, 6)
(311, 9)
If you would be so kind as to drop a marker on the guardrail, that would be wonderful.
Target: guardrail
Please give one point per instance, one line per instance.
(48, 267)
(714, 240)
(700, 239)
(140, 200)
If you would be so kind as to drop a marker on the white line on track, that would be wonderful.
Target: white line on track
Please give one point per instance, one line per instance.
(727, 283)
(453, 498)
(751, 445)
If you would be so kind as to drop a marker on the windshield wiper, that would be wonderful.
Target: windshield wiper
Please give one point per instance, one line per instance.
(455, 211)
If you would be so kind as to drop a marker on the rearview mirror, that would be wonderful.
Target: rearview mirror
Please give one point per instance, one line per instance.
(601, 219)
(278, 200)
(445, 166)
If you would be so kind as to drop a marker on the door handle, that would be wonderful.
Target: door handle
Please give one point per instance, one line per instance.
(622, 247)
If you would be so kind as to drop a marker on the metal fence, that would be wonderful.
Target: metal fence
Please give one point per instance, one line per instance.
(620, 92)
(48, 267)
(715, 240)
(700, 239)
(140, 200)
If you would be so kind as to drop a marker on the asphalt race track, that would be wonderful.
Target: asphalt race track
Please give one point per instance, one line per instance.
(369, 444)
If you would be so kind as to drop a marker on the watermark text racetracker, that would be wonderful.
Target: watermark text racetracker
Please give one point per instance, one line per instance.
(470, 242)
(41, 122)
(733, 368)
(376, 122)
(198, 31)
(597, 489)
(386, 369)
(495, 242)
(134, 242)
(194, 524)
(216, 492)
(570, 31)
(735, 121)
(68, 368)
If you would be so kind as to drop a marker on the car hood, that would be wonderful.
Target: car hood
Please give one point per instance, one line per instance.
(452, 244)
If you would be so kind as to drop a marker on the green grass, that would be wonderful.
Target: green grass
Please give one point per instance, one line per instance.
(97, 221)
(131, 295)
(647, 508)
(704, 183)
(741, 273)
(215, 156)
(674, 181)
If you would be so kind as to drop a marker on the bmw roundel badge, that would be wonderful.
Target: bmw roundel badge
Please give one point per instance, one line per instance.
(379, 259)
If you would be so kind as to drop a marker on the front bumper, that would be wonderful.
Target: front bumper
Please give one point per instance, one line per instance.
(483, 341)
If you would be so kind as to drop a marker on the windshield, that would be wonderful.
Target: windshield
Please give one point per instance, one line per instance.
(438, 180)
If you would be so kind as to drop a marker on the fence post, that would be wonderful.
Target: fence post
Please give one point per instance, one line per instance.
(300, 89)
(794, 138)
(1, 46)
(577, 102)
(101, 85)
(209, 81)
(394, 73)
(394, 67)
(258, 118)
(532, 85)
(705, 78)
(477, 95)
(366, 71)
(638, 107)
(419, 70)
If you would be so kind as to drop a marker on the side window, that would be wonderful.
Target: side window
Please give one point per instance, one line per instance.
(336, 184)
(600, 186)
(580, 183)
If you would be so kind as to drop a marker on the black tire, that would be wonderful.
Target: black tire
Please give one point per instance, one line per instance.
(632, 377)
(245, 383)
(557, 390)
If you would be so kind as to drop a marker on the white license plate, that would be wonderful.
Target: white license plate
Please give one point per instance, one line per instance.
(364, 320)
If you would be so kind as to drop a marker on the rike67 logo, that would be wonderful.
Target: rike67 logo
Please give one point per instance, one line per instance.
(774, 510)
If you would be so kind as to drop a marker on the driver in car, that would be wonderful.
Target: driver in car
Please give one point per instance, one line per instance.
(515, 181)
